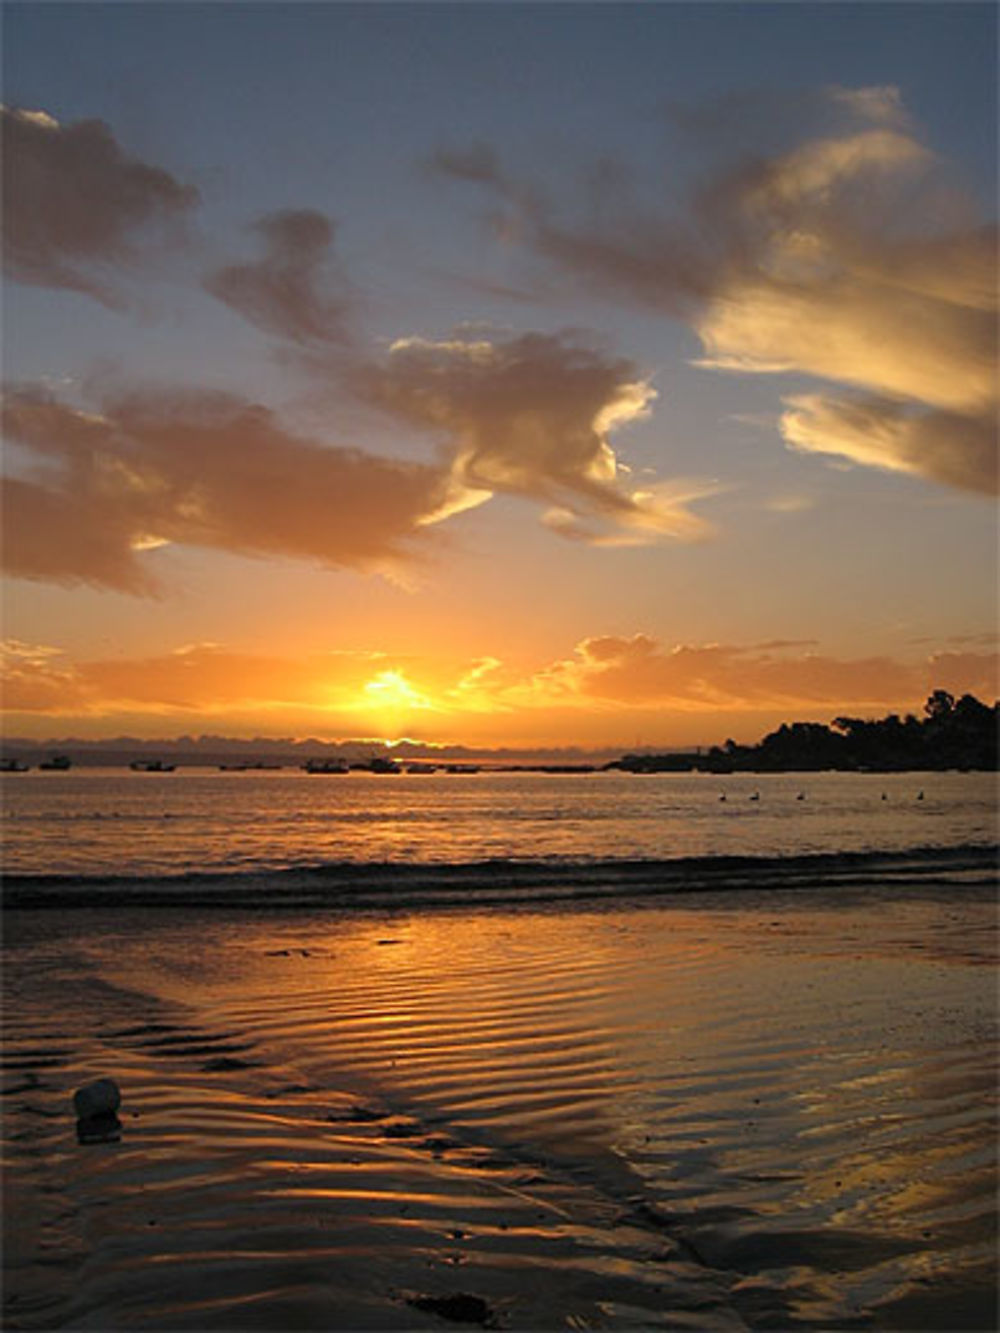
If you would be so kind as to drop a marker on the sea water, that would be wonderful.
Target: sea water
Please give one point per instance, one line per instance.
(100, 822)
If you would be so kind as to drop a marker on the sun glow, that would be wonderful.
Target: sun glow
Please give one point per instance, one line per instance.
(390, 691)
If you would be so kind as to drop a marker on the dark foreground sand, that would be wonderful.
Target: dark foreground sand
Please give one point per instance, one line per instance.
(772, 1111)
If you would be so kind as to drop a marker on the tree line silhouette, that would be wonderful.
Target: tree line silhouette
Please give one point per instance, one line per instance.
(952, 734)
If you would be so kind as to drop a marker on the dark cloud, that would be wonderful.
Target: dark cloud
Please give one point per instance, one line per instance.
(296, 290)
(76, 208)
(198, 469)
(656, 261)
(477, 162)
(753, 124)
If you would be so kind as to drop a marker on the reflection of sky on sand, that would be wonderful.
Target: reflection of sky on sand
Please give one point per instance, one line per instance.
(761, 1077)
(834, 1110)
(788, 1099)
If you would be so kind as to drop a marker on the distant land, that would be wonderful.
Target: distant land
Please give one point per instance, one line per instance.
(213, 751)
(960, 733)
(953, 734)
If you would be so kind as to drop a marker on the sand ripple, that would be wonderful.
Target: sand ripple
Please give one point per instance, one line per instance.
(768, 1116)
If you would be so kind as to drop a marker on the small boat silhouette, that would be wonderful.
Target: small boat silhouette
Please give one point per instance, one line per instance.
(325, 766)
(383, 765)
(57, 763)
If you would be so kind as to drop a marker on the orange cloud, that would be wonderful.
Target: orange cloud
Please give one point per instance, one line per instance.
(201, 469)
(196, 677)
(965, 672)
(76, 208)
(609, 685)
(35, 681)
(639, 672)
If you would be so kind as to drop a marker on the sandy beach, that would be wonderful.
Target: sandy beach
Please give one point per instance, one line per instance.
(767, 1111)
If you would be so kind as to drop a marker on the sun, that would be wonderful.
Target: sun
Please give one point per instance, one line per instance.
(391, 693)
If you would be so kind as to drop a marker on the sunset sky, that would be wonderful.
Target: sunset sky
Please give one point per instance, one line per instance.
(500, 374)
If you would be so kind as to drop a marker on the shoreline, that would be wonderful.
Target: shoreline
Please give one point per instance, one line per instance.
(374, 886)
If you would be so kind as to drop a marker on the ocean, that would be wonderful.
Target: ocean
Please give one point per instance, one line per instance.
(146, 828)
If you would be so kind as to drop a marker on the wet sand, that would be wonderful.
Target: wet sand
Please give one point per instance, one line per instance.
(768, 1112)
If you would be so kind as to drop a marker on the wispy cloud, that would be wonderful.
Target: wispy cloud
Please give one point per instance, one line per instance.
(77, 210)
(532, 416)
(949, 447)
(849, 257)
(296, 290)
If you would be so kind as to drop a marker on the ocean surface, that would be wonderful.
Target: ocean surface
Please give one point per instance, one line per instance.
(529, 833)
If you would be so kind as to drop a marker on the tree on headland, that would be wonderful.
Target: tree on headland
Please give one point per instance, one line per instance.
(952, 734)
(941, 704)
(959, 734)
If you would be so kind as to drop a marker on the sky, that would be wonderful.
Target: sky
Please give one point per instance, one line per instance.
(496, 374)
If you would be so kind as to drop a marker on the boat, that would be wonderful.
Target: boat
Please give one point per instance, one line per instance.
(327, 766)
(151, 766)
(13, 766)
(57, 763)
(381, 765)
